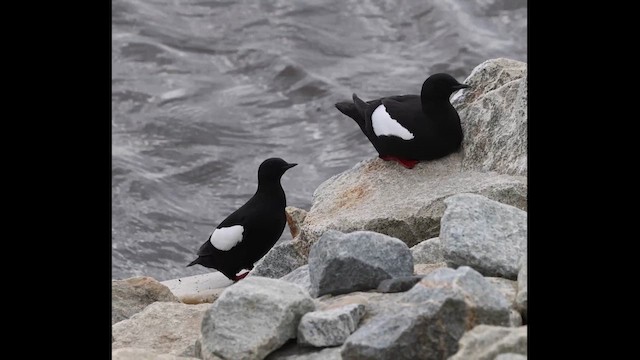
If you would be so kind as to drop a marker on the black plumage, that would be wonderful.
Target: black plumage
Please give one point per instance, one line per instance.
(250, 232)
(411, 128)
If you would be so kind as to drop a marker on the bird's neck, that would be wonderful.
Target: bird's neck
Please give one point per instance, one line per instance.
(435, 105)
(271, 189)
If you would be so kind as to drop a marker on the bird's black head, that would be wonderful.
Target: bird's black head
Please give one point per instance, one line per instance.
(440, 87)
(272, 169)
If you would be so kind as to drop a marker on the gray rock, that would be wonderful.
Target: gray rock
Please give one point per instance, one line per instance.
(427, 252)
(484, 234)
(427, 321)
(521, 297)
(329, 302)
(384, 197)
(279, 261)
(428, 331)
(493, 114)
(484, 302)
(164, 327)
(295, 217)
(507, 287)
(206, 355)
(292, 351)
(511, 356)
(143, 354)
(253, 317)
(329, 327)
(426, 269)
(399, 284)
(342, 263)
(130, 296)
(485, 342)
(300, 277)
(515, 319)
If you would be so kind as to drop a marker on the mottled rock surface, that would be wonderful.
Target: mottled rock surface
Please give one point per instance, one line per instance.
(295, 217)
(300, 277)
(521, 296)
(428, 252)
(164, 327)
(428, 331)
(292, 351)
(384, 197)
(130, 296)
(398, 284)
(427, 321)
(507, 287)
(342, 263)
(493, 114)
(144, 354)
(253, 317)
(485, 342)
(282, 259)
(484, 302)
(329, 327)
(486, 235)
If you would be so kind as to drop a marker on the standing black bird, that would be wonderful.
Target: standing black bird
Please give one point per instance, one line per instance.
(410, 128)
(247, 234)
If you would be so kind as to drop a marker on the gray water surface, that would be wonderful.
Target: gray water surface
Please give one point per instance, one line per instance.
(204, 91)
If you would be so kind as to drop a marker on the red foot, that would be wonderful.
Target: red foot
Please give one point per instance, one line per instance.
(409, 164)
(240, 277)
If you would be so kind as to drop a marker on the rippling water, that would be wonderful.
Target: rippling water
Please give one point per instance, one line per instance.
(203, 91)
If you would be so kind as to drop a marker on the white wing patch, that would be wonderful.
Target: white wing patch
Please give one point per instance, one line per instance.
(383, 124)
(226, 238)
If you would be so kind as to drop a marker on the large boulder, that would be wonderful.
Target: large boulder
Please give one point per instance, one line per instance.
(493, 114)
(329, 327)
(130, 296)
(279, 261)
(484, 234)
(165, 327)
(485, 342)
(428, 331)
(427, 321)
(342, 263)
(384, 197)
(485, 304)
(252, 318)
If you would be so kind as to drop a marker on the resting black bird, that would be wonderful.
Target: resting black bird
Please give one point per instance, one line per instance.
(411, 128)
(247, 234)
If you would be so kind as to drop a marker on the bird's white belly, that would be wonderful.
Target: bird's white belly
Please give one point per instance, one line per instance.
(383, 124)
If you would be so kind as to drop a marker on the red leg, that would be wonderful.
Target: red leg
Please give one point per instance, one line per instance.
(240, 277)
(409, 164)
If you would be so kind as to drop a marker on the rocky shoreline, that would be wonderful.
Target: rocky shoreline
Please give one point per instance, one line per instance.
(389, 263)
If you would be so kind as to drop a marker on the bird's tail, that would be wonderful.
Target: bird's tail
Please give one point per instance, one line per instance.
(348, 108)
(359, 104)
(196, 261)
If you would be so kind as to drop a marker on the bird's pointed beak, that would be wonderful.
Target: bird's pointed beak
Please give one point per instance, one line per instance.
(461, 86)
(289, 166)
